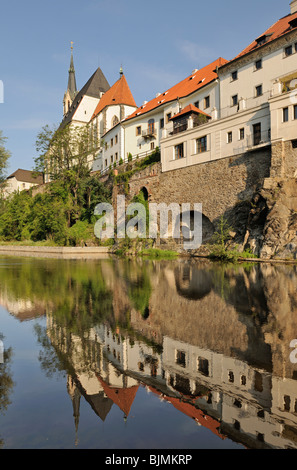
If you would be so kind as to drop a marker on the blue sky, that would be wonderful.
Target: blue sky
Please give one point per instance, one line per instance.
(158, 43)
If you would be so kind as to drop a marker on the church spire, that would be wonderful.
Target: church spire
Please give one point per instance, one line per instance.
(71, 89)
(72, 80)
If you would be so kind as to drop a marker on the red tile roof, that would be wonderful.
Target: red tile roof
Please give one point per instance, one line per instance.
(186, 87)
(189, 109)
(278, 29)
(193, 412)
(122, 397)
(119, 93)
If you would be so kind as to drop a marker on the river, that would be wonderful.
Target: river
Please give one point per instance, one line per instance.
(145, 354)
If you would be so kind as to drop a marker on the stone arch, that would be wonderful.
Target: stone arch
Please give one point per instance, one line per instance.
(145, 193)
(207, 227)
(192, 283)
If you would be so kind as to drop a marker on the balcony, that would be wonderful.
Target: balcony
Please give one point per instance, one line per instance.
(258, 139)
(149, 133)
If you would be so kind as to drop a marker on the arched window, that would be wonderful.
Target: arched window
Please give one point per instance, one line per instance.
(115, 121)
(151, 126)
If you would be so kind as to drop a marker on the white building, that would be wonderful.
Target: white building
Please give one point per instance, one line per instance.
(144, 127)
(257, 104)
(106, 122)
(21, 180)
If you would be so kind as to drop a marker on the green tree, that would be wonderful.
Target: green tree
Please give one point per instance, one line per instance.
(4, 156)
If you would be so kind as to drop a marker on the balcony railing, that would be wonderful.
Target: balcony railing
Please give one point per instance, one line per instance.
(150, 132)
(259, 138)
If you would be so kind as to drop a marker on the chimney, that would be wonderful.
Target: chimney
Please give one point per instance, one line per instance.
(293, 5)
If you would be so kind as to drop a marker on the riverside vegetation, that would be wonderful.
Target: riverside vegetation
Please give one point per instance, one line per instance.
(63, 213)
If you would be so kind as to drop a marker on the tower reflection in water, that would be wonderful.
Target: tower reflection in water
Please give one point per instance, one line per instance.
(213, 341)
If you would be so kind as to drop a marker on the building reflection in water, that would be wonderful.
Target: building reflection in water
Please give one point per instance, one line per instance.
(214, 341)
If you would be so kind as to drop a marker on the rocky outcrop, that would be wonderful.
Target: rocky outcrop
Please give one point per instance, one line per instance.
(272, 224)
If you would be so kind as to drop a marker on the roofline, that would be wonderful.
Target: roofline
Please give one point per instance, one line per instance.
(167, 102)
(109, 105)
(256, 49)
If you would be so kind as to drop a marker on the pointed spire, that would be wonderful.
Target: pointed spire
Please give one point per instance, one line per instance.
(71, 79)
(121, 71)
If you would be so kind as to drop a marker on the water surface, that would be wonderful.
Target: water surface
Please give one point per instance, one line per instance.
(121, 354)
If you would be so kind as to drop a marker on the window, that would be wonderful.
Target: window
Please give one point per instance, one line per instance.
(285, 114)
(294, 144)
(161, 123)
(152, 145)
(105, 163)
(138, 130)
(231, 376)
(196, 104)
(201, 144)
(116, 139)
(259, 90)
(257, 133)
(111, 143)
(295, 111)
(179, 151)
(288, 51)
(241, 134)
(234, 75)
(168, 116)
(203, 366)
(236, 425)
(206, 102)
(151, 126)
(229, 137)
(258, 64)
(111, 159)
(234, 100)
(181, 358)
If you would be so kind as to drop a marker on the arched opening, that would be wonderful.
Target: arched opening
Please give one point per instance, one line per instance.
(192, 283)
(145, 193)
(188, 226)
(115, 121)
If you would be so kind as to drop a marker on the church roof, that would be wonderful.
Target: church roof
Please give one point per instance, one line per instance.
(95, 85)
(119, 93)
(122, 397)
(198, 79)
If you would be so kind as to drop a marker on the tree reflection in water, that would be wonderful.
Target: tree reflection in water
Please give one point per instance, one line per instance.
(212, 339)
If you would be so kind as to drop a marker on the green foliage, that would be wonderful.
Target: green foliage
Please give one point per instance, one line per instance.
(219, 249)
(4, 156)
(80, 233)
(57, 215)
(222, 235)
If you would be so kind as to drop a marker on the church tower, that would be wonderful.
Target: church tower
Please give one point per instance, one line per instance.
(71, 89)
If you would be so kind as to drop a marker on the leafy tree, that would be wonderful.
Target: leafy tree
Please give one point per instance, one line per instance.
(4, 156)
